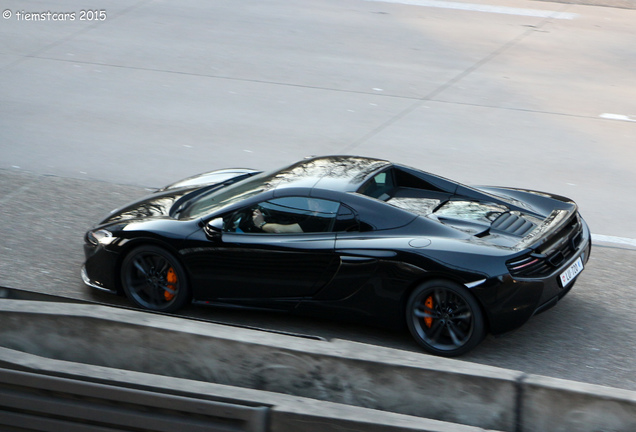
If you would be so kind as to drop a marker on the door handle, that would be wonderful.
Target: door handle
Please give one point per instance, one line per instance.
(357, 259)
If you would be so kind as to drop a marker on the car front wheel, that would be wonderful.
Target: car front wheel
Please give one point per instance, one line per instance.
(153, 279)
(445, 318)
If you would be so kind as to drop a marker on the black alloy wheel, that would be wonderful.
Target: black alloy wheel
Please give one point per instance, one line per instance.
(153, 279)
(445, 318)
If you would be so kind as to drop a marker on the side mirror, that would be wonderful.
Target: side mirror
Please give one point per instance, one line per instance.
(214, 228)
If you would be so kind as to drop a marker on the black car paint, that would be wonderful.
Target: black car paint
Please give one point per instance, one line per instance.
(361, 275)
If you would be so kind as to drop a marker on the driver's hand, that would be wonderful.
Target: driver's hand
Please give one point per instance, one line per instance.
(257, 217)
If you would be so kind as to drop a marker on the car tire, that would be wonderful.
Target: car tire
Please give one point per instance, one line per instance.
(445, 318)
(154, 279)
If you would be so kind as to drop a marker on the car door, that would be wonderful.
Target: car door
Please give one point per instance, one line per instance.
(358, 261)
(242, 264)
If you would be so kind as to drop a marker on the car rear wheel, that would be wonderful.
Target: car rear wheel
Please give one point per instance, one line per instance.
(153, 279)
(445, 318)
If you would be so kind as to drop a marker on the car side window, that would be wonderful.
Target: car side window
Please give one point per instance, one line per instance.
(346, 221)
(379, 186)
(285, 215)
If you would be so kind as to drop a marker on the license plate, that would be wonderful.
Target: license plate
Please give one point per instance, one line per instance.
(571, 272)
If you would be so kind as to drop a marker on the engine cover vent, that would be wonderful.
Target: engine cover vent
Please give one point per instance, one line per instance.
(512, 223)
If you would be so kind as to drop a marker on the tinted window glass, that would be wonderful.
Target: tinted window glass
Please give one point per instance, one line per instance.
(380, 186)
(308, 214)
(312, 214)
(346, 220)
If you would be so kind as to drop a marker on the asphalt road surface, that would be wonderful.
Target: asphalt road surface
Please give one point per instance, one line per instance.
(517, 93)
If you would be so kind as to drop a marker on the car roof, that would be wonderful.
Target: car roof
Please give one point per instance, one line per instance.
(336, 173)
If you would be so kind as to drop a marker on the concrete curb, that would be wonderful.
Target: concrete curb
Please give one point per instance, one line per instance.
(343, 372)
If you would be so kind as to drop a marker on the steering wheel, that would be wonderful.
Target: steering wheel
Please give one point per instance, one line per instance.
(265, 212)
(235, 221)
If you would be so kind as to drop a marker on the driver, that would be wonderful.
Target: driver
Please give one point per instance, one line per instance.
(312, 223)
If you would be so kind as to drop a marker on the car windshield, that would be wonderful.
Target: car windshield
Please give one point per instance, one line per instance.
(217, 198)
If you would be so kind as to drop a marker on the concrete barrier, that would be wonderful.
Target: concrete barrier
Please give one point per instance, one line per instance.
(338, 371)
(555, 405)
(343, 372)
(42, 394)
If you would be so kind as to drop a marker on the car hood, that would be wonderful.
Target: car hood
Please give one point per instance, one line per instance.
(152, 206)
(210, 178)
(160, 203)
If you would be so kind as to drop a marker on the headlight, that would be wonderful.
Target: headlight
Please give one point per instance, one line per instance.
(100, 237)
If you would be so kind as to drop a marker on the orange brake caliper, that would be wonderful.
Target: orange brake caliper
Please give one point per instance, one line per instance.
(171, 278)
(429, 304)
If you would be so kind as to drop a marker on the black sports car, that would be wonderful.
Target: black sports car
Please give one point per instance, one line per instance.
(347, 236)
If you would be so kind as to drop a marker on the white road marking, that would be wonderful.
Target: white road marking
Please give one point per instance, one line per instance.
(613, 239)
(621, 117)
(484, 8)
